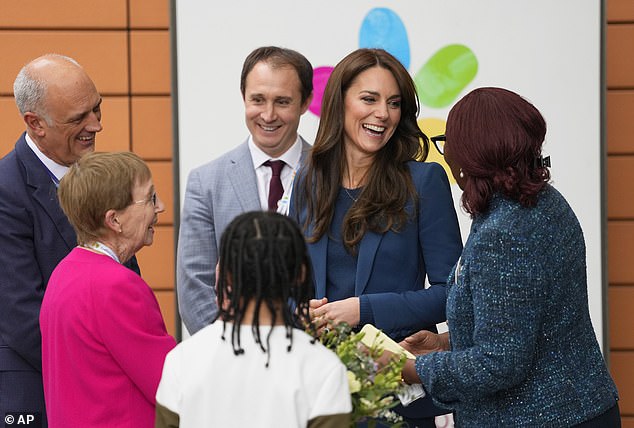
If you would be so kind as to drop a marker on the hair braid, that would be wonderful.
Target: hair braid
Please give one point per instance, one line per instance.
(263, 260)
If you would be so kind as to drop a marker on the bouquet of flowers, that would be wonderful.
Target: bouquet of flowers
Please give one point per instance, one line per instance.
(373, 381)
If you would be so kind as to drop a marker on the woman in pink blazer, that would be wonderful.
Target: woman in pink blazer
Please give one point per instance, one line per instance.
(103, 338)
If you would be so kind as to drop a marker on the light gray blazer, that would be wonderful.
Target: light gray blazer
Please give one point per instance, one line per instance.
(216, 193)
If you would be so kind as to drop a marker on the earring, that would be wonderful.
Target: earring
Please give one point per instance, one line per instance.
(461, 173)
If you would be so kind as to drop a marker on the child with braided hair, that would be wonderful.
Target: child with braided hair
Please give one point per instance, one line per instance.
(270, 373)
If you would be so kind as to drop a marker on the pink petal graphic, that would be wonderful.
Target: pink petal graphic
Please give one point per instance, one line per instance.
(320, 78)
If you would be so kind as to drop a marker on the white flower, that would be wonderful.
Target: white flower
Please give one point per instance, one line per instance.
(353, 383)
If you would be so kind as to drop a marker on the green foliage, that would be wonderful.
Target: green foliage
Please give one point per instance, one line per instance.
(373, 381)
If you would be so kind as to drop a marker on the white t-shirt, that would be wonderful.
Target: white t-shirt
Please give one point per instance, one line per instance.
(207, 385)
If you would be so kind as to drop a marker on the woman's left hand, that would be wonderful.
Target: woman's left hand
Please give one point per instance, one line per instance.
(424, 342)
(347, 310)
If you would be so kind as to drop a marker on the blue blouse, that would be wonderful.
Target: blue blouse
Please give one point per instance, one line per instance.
(342, 266)
(391, 267)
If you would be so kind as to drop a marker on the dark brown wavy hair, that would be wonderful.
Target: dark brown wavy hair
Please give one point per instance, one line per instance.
(496, 138)
(381, 204)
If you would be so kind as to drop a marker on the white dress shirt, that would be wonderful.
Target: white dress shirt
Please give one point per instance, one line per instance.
(263, 173)
(54, 168)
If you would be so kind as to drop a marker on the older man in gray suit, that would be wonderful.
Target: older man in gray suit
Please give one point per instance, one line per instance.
(277, 88)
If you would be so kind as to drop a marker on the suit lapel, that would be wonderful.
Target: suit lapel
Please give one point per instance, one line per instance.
(365, 260)
(44, 192)
(243, 179)
(242, 176)
(46, 196)
(305, 151)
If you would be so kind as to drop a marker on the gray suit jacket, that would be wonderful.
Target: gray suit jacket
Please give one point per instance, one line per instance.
(216, 193)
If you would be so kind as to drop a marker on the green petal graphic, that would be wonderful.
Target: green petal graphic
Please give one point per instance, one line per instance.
(445, 74)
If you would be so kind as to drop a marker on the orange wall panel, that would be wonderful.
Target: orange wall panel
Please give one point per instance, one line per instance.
(125, 65)
(621, 316)
(163, 177)
(168, 309)
(102, 53)
(619, 10)
(157, 260)
(620, 177)
(152, 127)
(149, 14)
(622, 368)
(620, 251)
(620, 64)
(63, 14)
(627, 422)
(150, 62)
(12, 125)
(619, 123)
(115, 119)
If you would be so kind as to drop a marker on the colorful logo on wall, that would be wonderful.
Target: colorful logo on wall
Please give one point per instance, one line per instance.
(439, 81)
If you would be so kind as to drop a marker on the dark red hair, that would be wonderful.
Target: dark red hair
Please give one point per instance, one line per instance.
(495, 136)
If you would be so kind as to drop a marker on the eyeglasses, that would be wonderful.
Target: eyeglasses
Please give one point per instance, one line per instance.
(145, 201)
(439, 142)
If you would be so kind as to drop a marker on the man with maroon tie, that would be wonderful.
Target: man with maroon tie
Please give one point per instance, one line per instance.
(277, 88)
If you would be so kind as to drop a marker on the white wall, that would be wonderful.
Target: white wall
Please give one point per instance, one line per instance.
(547, 51)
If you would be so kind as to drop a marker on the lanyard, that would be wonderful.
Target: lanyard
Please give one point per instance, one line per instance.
(284, 204)
(103, 249)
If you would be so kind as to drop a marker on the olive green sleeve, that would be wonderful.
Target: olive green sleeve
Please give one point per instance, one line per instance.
(165, 418)
(340, 420)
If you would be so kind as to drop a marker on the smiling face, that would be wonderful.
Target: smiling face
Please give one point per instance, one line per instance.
(67, 127)
(372, 111)
(137, 220)
(273, 106)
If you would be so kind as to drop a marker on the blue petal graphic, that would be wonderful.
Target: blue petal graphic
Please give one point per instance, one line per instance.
(382, 28)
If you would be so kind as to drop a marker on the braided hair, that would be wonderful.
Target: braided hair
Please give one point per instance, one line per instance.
(263, 259)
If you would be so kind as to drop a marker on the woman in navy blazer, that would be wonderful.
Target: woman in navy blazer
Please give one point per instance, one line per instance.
(378, 223)
(523, 349)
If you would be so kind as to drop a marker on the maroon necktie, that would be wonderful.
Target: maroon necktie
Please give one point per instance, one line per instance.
(275, 186)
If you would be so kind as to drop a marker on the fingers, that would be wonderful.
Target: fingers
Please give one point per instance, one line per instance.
(407, 346)
(385, 358)
(424, 342)
(322, 325)
(420, 336)
(320, 322)
(316, 303)
(421, 342)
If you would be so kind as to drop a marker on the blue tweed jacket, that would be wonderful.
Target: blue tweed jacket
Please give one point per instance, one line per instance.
(524, 352)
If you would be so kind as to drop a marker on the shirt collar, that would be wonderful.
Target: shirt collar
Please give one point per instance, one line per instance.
(56, 169)
(291, 157)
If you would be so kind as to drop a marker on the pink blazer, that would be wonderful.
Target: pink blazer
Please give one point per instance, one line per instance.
(103, 344)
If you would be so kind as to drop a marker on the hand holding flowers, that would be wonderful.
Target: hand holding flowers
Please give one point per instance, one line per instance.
(373, 381)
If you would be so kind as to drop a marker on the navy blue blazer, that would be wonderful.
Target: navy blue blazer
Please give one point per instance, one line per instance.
(391, 267)
(35, 235)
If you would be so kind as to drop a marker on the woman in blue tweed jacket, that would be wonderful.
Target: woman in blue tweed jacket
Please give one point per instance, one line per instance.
(523, 349)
